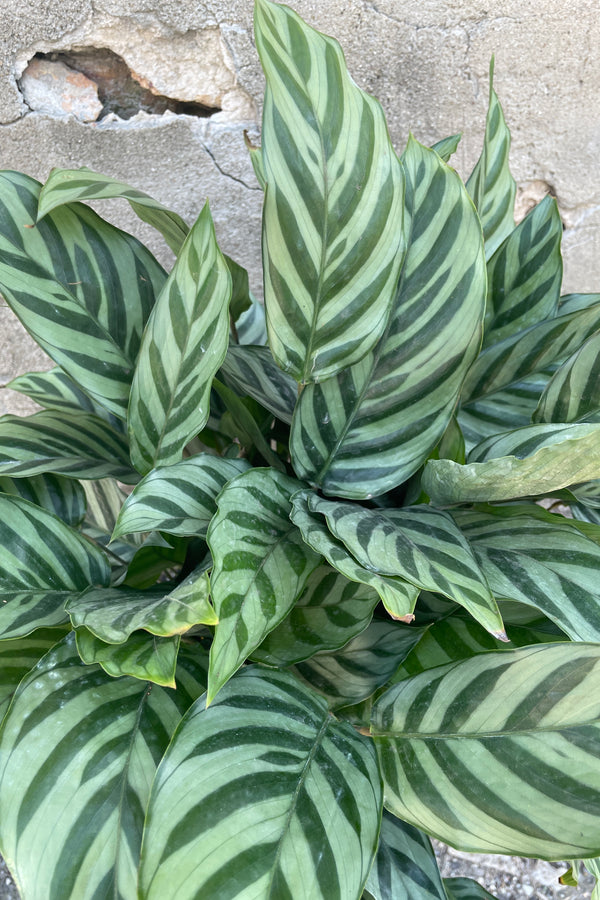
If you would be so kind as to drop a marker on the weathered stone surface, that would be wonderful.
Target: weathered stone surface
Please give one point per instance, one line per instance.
(55, 89)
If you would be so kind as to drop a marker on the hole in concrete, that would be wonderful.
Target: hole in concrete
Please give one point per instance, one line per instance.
(119, 91)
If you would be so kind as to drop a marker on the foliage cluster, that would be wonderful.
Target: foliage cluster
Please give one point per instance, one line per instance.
(278, 597)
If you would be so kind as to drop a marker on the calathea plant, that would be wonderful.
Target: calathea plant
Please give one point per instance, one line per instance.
(278, 597)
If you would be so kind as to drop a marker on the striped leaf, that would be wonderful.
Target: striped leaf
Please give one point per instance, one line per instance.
(104, 501)
(69, 185)
(529, 462)
(20, 655)
(179, 499)
(82, 288)
(245, 425)
(43, 563)
(465, 889)
(405, 867)
(55, 390)
(142, 656)
(112, 614)
(251, 372)
(525, 274)
(64, 497)
(515, 358)
(77, 445)
(370, 428)
(352, 674)
(397, 595)
(551, 567)
(573, 392)
(332, 220)
(78, 754)
(183, 347)
(593, 867)
(491, 185)
(474, 752)
(421, 545)
(447, 147)
(241, 297)
(261, 565)
(571, 302)
(286, 800)
(330, 611)
(251, 326)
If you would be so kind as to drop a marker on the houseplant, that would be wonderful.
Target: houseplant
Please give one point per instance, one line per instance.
(265, 574)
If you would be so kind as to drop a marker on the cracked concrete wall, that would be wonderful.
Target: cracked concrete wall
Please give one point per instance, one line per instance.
(426, 62)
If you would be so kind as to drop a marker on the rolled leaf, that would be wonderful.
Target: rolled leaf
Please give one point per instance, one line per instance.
(78, 752)
(405, 867)
(370, 428)
(183, 347)
(475, 751)
(141, 656)
(332, 223)
(286, 800)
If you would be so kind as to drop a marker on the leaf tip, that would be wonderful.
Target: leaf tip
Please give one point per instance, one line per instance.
(501, 636)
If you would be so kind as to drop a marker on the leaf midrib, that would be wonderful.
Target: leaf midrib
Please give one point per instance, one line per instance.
(481, 735)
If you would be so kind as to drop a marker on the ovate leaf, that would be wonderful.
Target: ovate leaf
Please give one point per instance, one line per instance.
(332, 221)
(286, 800)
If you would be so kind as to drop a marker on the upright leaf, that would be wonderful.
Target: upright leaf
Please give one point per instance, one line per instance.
(261, 565)
(78, 752)
(183, 347)
(474, 752)
(370, 428)
(286, 800)
(332, 223)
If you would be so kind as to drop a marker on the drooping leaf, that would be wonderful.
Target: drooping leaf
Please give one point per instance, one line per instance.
(261, 565)
(251, 372)
(330, 611)
(75, 445)
(421, 545)
(286, 800)
(183, 347)
(112, 614)
(367, 662)
(491, 184)
(332, 221)
(82, 288)
(20, 655)
(550, 566)
(465, 889)
(369, 429)
(68, 185)
(179, 499)
(483, 767)
(533, 461)
(405, 866)
(78, 753)
(573, 392)
(525, 274)
(62, 496)
(43, 563)
(142, 656)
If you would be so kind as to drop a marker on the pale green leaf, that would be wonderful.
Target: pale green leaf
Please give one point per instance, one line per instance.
(447, 147)
(19, 655)
(142, 655)
(252, 372)
(573, 392)
(56, 390)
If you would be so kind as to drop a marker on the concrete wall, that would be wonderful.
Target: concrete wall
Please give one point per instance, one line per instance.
(426, 61)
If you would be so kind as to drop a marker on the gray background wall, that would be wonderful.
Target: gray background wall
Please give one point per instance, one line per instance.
(426, 61)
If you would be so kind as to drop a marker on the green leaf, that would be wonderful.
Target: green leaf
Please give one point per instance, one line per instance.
(330, 611)
(483, 767)
(43, 563)
(352, 674)
(529, 462)
(447, 147)
(112, 614)
(550, 566)
(142, 655)
(332, 221)
(397, 595)
(20, 655)
(241, 298)
(421, 545)
(251, 372)
(286, 801)
(573, 392)
(368, 430)
(593, 867)
(77, 445)
(261, 565)
(525, 274)
(251, 326)
(82, 288)
(68, 185)
(184, 344)
(465, 889)
(572, 302)
(246, 429)
(62, 496)
(405, 867)
(491, 185)
(179, 499)
(78, 753)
